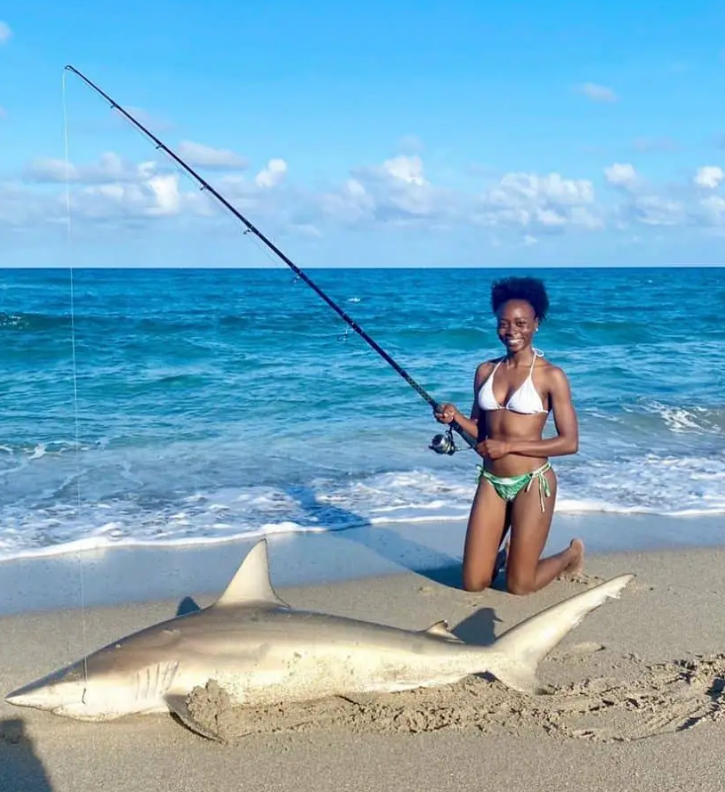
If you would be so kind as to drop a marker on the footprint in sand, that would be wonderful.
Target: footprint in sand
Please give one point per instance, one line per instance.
(590, 581)
(584, 578)
(667, 697)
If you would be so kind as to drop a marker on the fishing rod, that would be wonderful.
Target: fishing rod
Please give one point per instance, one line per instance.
(441, 443)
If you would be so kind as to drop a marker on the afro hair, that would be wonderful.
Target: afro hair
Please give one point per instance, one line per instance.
(532, 290)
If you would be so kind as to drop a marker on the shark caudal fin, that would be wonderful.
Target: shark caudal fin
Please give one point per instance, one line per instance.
(518, 652)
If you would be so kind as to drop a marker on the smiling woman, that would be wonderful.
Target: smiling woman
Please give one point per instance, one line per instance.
(513, 396)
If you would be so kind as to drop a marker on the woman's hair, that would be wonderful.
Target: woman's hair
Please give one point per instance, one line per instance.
(515, 288)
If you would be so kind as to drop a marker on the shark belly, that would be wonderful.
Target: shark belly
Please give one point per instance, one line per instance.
(317, 656)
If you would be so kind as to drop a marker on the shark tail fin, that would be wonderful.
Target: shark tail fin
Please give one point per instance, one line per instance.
(518, 652)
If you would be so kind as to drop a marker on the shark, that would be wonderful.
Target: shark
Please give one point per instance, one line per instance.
(262, 652)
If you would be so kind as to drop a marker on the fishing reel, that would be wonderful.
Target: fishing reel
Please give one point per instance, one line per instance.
(444, 443)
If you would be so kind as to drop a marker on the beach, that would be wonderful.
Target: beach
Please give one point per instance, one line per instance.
(241, 293)
(635, 693)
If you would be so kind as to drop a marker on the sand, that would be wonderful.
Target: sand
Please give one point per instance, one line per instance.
(635, 698)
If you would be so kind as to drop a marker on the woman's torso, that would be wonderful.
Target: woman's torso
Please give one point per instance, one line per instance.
(513, 406)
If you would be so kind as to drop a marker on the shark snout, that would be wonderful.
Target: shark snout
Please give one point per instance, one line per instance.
(63, 687)
(33, 695)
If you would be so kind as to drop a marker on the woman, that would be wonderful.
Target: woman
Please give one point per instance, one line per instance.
(513, 396)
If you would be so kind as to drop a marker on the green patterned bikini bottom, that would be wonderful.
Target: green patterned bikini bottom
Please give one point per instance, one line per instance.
(508, 487)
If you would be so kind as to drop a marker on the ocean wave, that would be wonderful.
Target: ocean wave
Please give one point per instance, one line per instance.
(125, 510)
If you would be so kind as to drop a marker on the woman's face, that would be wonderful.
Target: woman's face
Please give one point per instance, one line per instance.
(517, 324)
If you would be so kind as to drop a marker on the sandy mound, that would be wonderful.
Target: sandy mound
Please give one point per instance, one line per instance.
(642, 701)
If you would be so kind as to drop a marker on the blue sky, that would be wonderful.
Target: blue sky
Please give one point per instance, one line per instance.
(379, 134)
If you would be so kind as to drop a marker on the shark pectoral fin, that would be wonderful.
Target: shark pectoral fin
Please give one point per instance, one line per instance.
(251, 583)
(177, 704)
(440, 630)
(517, 653)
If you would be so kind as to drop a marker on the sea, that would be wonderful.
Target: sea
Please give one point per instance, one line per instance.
(179, 406)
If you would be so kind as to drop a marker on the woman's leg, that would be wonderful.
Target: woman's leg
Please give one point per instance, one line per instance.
(530, 526)
(486, 524)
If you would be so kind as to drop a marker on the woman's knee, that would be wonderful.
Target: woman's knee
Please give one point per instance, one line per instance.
(475, 583)
(520, 585)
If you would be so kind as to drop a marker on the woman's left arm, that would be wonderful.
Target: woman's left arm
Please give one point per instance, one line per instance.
(567, 428)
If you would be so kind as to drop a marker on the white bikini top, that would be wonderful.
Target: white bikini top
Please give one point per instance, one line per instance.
(525, 400)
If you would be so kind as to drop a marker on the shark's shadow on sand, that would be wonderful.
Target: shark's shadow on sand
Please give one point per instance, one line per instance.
(478, 628)
(388, 544)
(20, 768)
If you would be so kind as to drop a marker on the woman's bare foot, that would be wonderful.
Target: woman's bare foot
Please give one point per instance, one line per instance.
(576, 552)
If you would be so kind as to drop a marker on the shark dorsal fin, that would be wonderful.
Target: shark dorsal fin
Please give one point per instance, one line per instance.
(440, 630)
(251, 584)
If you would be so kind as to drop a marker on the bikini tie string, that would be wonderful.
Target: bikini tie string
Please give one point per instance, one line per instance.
(544, 488)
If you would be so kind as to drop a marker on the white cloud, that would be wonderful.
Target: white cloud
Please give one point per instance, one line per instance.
(547, 203)
(398, 192)
(520, 207)
(106, 190)
(709, 177)
(656, 210)
(352, 204)
(158, 196)
(165, 189)
(110, 168)
(581, 217)
(644, 203)
(113, 168)
(621, 174)
(406, 169)
(199, 155)
(598, 93)
(5, 32)
(395, 192)
(271, 175)
(403, 168)
(19, 205)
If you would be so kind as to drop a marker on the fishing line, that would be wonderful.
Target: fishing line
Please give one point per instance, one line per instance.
(69, 247)
(441, 443)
